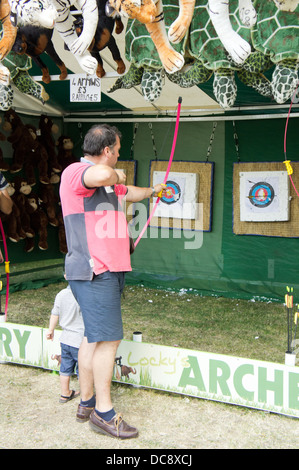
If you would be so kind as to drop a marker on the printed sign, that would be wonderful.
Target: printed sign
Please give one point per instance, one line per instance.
(21, 344)
(255, 384)
(85, 88)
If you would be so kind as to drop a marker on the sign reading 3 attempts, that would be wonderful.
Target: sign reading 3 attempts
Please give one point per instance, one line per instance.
(85, 88)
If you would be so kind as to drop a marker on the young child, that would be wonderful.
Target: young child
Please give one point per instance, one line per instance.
(67, 311)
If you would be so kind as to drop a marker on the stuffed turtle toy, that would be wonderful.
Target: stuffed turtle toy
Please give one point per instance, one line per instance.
(14, 69)
(146, 67)
(276, 35)
(204, 56)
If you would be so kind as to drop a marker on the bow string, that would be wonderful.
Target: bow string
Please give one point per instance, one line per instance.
(288, 162)
(167, 171)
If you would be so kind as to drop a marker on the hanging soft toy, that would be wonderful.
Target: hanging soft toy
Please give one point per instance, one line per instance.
(33, 41)
(205, 57)
(151, 14)
(39, 155)
(104, 38)
(47, 129)
(22, 190)
(14, 69)
(276, 36)
(173, 61)
(49, 202)
(65, 147)
(58, 13)
(236, 46)
(14, 229)
(34, 12)
(20, 139)
(39, 223)
(9, 29)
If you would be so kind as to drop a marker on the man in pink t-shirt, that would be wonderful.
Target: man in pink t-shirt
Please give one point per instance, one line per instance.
(91, 193)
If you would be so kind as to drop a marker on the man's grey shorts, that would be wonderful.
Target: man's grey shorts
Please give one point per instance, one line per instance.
(100, 304)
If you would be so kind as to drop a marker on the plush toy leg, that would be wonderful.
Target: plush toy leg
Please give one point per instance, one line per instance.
(286, 5)
(180, 26)
(25, 83)
(6, 91)
(29, 245)
(46, 75)
(4, 166)
(9, 31)
(119, 26)
(171, 60)
(247, 13)
(237, 47)
(63, 71)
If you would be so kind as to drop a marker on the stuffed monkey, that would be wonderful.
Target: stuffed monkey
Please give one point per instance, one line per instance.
(39, 222)
(22, 144)
(4, 166)
(22, 191)
(49, 203)
(47, 129)
(39, 156)
(65, 151)
(15, 232)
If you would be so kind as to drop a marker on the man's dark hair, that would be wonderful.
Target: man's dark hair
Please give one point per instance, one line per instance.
(98, 137)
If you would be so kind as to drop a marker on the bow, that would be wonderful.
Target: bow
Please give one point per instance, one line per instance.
(288, 162)
(6, 267)
(167, 171)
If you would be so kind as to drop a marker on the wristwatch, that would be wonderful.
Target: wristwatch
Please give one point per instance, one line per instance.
(154, 191)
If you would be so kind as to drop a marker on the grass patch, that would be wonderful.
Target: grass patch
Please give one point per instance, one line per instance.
(244, 328)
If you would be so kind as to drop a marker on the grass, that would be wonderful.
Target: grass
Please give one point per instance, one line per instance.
(243, 328)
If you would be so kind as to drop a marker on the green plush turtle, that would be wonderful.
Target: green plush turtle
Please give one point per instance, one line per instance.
(210, 57)
(146, 68)
(276, 35)
(204, 55)
(18, 66)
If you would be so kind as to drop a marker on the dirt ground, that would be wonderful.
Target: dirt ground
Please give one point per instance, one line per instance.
(31, 417)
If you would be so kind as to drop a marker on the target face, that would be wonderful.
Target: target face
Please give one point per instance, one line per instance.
(173, 193)
(181, 196)
(264, 196)
(261, 195)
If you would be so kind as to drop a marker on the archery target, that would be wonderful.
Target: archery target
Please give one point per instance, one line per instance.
(180, 200)
(261, 194)
(173, 193)
(264, 196)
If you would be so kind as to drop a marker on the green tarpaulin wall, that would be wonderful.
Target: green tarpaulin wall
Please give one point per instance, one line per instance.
(225, 263)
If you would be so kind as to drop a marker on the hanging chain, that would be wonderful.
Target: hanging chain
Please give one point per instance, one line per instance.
(209, 151)
(133, 142)
(236, 141)
(153, 139)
